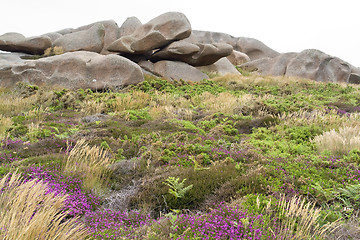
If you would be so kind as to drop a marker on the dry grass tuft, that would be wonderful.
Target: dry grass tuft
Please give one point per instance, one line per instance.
(321, 118)
(11, 105)
(90, 107)
(90, 162)
(239, 82)
(28, 212)
(339, 142)
(51, 51)
(135, 100)
(300, 221)
(170, 106)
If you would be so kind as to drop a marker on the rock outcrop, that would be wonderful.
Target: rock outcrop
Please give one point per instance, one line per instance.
(310, 63)
(102, 55)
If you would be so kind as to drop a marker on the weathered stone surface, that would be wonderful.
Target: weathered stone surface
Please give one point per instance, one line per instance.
(112, 32)
(75, 70)
(311, 64)
(7, 60)
(212, 37)
(53, 36)
(66, 31)
(254, 48)
(174, 70)
(157, 33)
(221, 67)
(195, 54)
(355, 70)
(91, 40)
(270, 66)
(238, 58)
(316, 65)
(129, 26)
(16, 42)
(354, 78)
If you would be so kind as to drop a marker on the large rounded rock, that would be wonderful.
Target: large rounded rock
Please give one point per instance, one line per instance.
(254, 48)
(311, 64)
(129, 26)
(221, 67)
(112, 32)
(195, 54)
(270, 66)
(53, 36)
(238, 58)
(213, 37)
(174, 70)
(157, 33)
(91, 39)
(75, 70)
(16, 42)
(316, 65)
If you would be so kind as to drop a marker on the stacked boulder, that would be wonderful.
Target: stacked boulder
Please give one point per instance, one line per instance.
(102, 55)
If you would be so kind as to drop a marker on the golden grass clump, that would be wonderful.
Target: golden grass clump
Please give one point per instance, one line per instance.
(339, 142)
(170, 105)
(90, 107)
(300, 221)
(51, 51)
(28, 212)
(92, 163)
(135, 100)
(5, 123)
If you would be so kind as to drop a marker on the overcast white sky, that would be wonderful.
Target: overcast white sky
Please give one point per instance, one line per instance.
(331, 26)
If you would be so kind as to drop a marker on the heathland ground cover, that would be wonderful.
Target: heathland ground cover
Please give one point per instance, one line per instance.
(233, 157)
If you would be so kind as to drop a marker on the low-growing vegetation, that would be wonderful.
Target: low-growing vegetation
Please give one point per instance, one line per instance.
(233, 157)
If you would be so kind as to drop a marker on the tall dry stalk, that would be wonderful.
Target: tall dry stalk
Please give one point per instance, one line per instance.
(27, 211)
(299, 221)
(90, 162)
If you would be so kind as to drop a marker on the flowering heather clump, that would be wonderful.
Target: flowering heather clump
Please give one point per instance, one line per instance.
(7, 157)
(78, 202)
(109, 224)
(223, 222)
